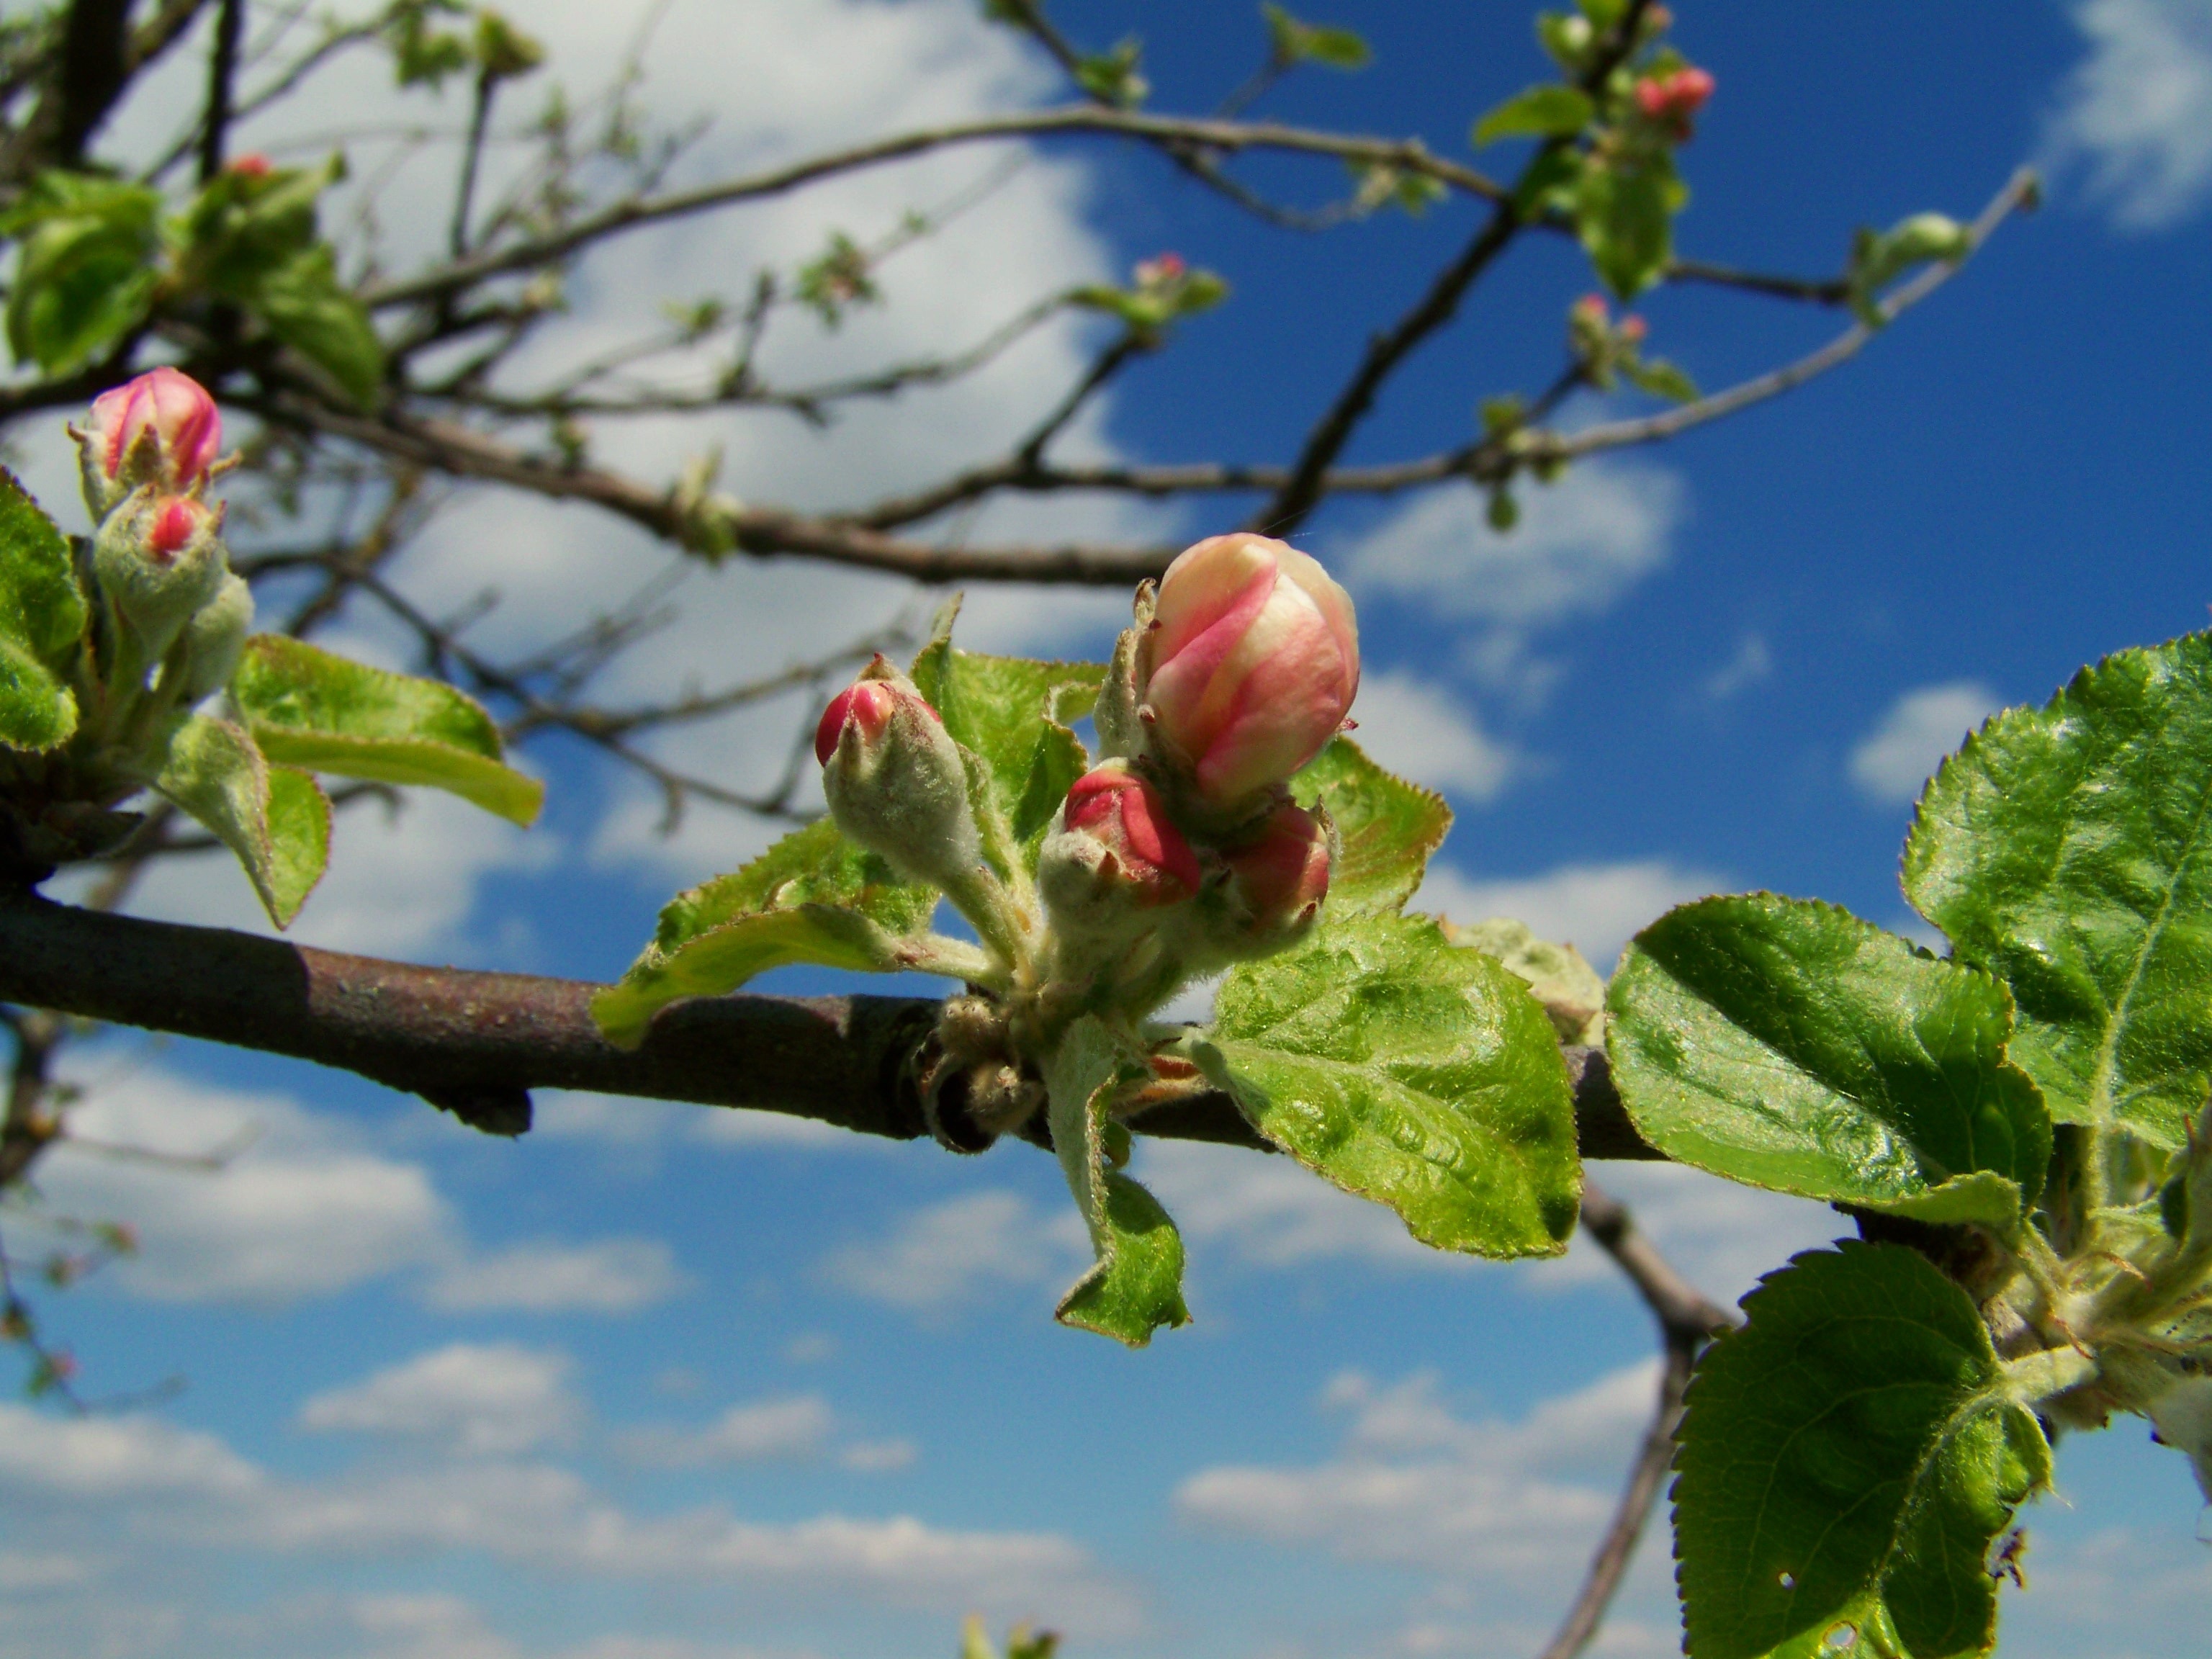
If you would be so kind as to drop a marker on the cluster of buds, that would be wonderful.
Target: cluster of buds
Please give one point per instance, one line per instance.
(169, 604)
(1599, 343)
(1182, 850)
(1671, 100)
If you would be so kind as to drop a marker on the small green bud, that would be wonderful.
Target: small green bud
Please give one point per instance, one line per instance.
(895, 779)
(215, 638)
(159, 559)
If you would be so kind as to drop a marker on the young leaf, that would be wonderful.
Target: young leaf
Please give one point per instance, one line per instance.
(1847, 1459)
(2065, 848)
(813, 896)
(1625, 213)
(1662, 380)
(307, 706)
(1013, 715)
(1291, 40)
(1545, 112)
(1879, 260)
(90, 260)
(1791, 1046)
(307, 307)
(275, 819)
(1136, 1284)
(1387, 827)
(42, 616)
(1411, 1073)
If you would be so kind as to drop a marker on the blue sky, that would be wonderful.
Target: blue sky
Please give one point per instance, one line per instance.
(659, 1382)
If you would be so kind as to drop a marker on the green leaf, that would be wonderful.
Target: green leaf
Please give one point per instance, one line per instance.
(1847, 1459)
(1135, 1286)
(1625, 213)
(1557, 975)
(309, 707)
(1386, 829)
(813, 896)
(1792, 1046)
(86, 273)
(1014, 716)
(2069, 849)
(308, 310)
(42, 618)
(1543, 112)
(275, 819)
(1662, 380)
(1879, 260)
(1411, 1073)
(1291, 40)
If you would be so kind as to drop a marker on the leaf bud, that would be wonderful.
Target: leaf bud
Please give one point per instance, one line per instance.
(215, 639)
(1278, 879)
(1113, 854)
(159, 559)
(895, 779)
(1248, 667)
(160, 430)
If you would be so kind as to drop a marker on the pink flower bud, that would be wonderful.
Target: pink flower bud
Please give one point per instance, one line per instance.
(1283, 875)
(251, 165)
(176, 520)
(1142, 850)
(1254, 660)
(166, 409)
(1633, 330)
(1590, 311)
(1671, 99)
(895, 781)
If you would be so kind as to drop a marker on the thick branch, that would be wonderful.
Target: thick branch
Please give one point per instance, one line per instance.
(477, 1043)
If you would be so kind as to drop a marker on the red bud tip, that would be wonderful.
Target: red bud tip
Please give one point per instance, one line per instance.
(175, 523)
(1120, 809)
(251, 165)
(868, 702)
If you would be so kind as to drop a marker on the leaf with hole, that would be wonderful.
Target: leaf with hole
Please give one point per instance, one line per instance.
(1409, 1071)
(1845, 1462)
(1791, 1046)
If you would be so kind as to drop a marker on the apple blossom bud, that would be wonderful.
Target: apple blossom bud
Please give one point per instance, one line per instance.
(161, 429)
(1278, 879)
(158, 560)
(1251, 666)
(251, 165)
(1669, 100)
(895, 781)
(215, 639)
(1113, 853)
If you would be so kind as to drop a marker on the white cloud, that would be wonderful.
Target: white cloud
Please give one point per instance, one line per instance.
(954, 1251)
(1580, 544)
(878, 1456)
(1751, 664)
(797, 1427)
(22, 1572)
(302, 1209)
(127, 1456)
(605, 1276)
(617, 1120)
(1414, 1486)
(481, 1399)
(2137, 113)
(1422, 731)
(1892, 762)
(1594, 907)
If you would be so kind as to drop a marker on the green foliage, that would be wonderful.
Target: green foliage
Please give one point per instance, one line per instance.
(88, 267)
(1660, 378)
(1847, 1460)
(1791, 1046)
(42, 618)
(813, 896)
(308, 707)
(274, 818)
(1550, 110)
(422, 54)
(1624, 211)
(1112, 78)
(837, 279)
(1135, 1286)
(1411, 1073)
(254, 242)
(1386, 829)
(1292, 41)
(1879, 259)
(2064, 848)
(1151, 305)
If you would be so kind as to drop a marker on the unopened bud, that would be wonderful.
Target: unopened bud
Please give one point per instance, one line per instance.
(895, 779)
(1250, 664)
(160, 430)
(1277, 880)
(1670, 100)
(215, 639)
(251, 165)
(159, 559)
(1113, 853)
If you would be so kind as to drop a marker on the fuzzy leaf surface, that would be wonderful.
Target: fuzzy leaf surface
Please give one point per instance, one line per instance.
(813, 896)
(1412, 1073)
(1792, 1046)
(2069, 849)
(1135, 1285)
(1848, 1457)
(1013, 715)
(1386, 829)
(312, 708)
(274, 818)
(42, 616)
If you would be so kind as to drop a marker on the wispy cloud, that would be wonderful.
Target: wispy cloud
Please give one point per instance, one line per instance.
(956, 1252)
(1593, 907)
(474, 1398)
(1892, 762)
(2136, 115)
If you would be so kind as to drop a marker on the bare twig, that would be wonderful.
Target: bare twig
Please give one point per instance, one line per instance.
(222, 68)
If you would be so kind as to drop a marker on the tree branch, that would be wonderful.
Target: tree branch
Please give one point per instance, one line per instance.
(477, 1043)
